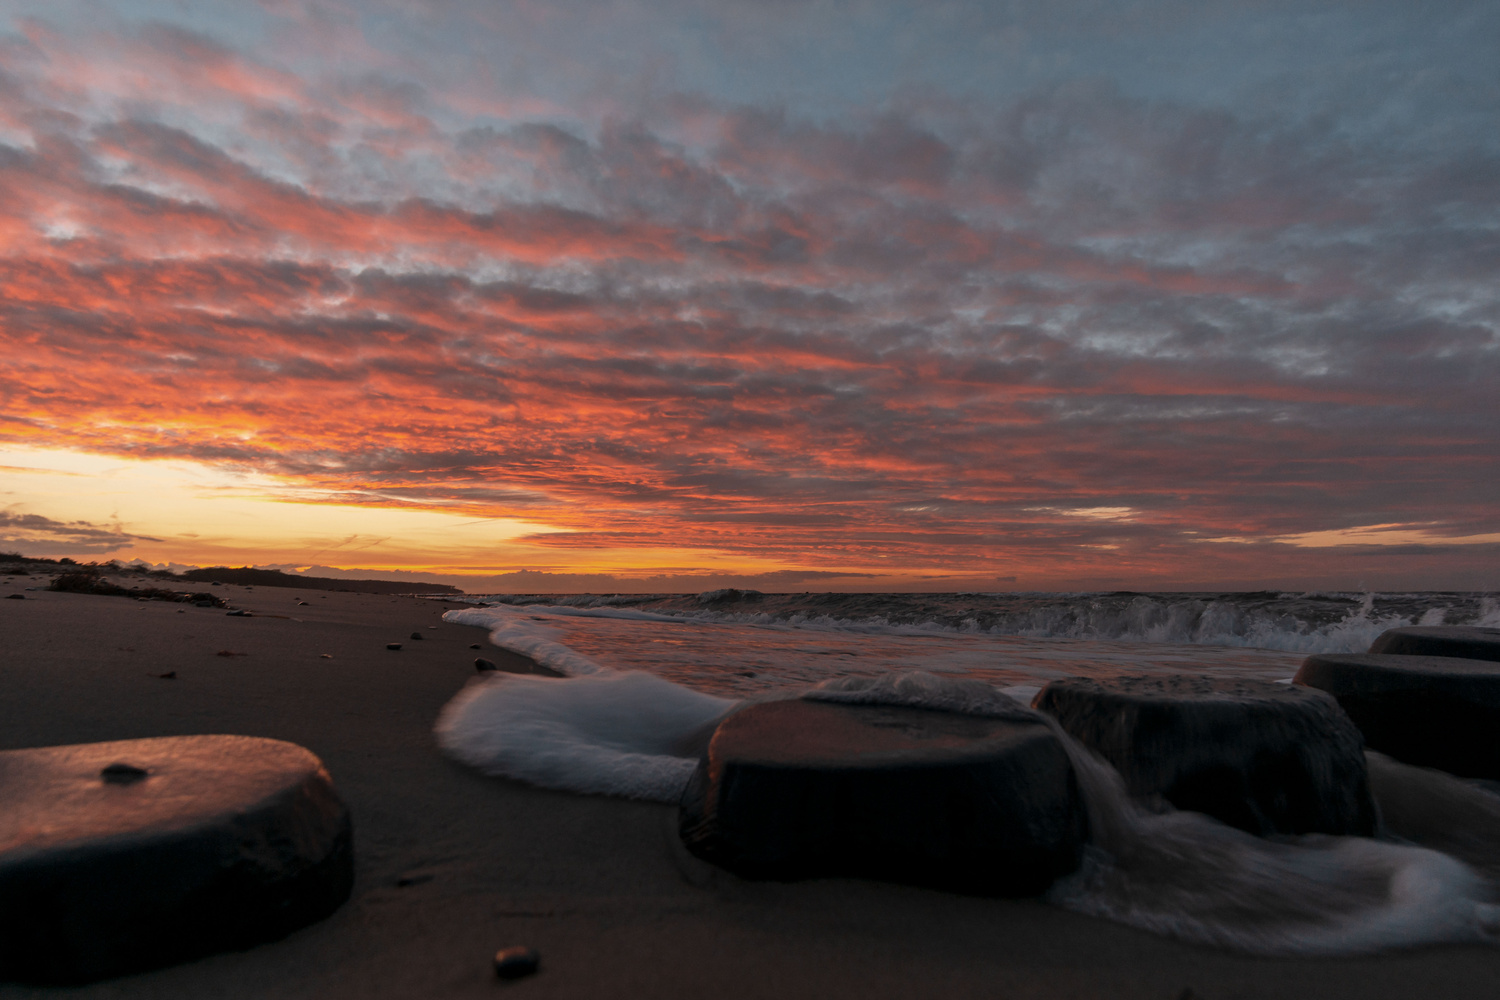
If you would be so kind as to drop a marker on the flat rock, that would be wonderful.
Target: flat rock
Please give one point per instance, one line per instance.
(800, 789)
(122, 856)
(1470, 642)
(1266, 758)
(1431, 711)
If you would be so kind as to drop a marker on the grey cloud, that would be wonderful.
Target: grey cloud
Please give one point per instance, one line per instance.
(34, 532)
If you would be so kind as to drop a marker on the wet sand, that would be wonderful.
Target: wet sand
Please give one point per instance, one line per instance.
(598, 885)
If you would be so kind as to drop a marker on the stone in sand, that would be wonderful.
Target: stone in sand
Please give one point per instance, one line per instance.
(1469, 642)
(481, 664)
(1432, 711)
(801, 789)
(393, 645)
(513, 963)
(123, 856)
(1267, 758)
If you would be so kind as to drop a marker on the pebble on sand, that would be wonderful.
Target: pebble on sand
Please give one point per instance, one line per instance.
(120, 773)
(475, 645)
(416, 635)
(15, 597)
(393, 645)
(513, 963)
(481, 664)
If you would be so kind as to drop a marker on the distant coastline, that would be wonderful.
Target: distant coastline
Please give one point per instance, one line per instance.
(243, 576)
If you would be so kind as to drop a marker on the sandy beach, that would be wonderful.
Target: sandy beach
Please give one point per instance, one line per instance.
(452, 865)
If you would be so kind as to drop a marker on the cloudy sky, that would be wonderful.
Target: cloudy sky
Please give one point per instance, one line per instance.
(662, 294)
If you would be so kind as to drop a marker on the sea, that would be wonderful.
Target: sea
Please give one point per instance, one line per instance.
(644, 672)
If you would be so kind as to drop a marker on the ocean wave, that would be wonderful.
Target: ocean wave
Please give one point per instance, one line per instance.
(1300, 623)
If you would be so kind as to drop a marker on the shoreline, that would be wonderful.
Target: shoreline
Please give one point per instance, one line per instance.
(598, 885)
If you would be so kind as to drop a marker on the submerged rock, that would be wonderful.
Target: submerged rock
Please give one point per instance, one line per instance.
(1266, 758)
(1469, 642)
(1432, 711)
(801, 789)
(118, 857)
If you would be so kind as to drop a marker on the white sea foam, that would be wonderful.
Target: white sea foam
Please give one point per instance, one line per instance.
(521, 633)
(609, 733)
(1191, 877)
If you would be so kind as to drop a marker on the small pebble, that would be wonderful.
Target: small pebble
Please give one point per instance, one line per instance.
(15, 597)
(326, 656)
(475, 645)
(170, 675)
(416, 635)
(513, 963)
(239, 614)
(120, 773)
(393, 645)
(406, 881)
(481, 664)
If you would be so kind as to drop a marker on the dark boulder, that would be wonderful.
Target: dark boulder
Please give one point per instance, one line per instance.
(1266, 758)
(124, 856)
(1469, 642)
(802, 789)
(1431, 711)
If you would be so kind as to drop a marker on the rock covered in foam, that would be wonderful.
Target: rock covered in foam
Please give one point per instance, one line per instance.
(1266, 758)
(1432, 711)
(1470, 642)
(806, 788)
(128, 855)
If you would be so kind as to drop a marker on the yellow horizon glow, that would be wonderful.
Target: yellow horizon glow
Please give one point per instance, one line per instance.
(193, 513)
(177, 511)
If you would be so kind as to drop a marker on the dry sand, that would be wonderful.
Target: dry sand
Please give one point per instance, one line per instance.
(598, 885)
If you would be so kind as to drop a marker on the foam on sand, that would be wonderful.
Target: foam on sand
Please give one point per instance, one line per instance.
(1190, 877)
(527, 636)
(609, 733)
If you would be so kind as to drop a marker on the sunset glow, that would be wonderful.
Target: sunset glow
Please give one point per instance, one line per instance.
(453, 293)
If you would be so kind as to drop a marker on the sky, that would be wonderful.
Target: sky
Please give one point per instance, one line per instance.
(669, 295)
